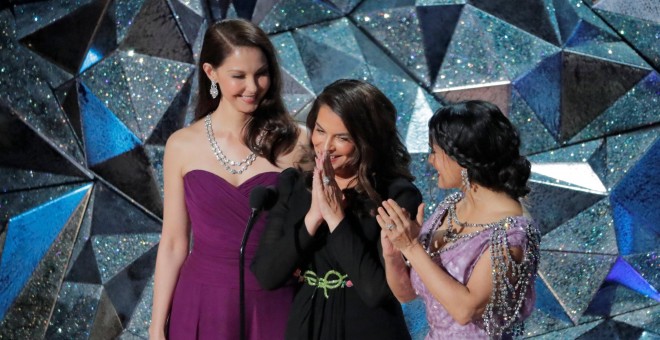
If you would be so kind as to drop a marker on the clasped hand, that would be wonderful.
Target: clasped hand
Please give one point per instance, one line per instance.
(397, 227)
(327, 198)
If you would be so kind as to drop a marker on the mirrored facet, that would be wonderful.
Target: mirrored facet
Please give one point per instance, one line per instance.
(33, 16)
(398, 31)
(29, 236)
(647, 318)
(153, 83)
(574, 277)
(534, 136)
(30, 313)
(115, 252)
(155, 32)
(289, 14)
(126, 288)
(591, 231)
(74, 311)
(614, 299)
(624, 150)
(641, 105)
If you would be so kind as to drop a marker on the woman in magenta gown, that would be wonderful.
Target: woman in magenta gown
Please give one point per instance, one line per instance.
(241, 137)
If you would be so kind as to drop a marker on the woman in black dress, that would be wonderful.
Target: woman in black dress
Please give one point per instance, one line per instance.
(323, 229)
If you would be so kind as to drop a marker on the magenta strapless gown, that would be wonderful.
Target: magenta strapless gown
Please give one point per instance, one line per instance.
(206, 299)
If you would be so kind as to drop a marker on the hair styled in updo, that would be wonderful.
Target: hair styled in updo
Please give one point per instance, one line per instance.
(481, 139)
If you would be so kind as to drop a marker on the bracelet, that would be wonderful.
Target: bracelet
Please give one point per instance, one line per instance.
(405, 260)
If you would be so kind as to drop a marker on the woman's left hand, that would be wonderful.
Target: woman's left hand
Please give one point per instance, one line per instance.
(396, 223)
(329, 196)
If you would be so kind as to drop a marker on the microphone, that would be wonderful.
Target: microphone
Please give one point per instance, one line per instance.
(261, 199)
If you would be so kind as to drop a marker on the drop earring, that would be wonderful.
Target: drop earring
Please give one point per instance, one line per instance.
(465, 180)
(214, 89)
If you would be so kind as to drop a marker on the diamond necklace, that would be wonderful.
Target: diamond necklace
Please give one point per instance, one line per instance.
(228, 164)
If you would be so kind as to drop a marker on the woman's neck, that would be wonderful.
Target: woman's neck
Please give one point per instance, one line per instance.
(226, 119)
(482, 201)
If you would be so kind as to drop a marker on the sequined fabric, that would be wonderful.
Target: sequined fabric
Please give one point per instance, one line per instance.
(459, 261)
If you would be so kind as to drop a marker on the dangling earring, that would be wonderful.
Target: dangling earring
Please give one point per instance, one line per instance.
(214, 89)
(465, 180)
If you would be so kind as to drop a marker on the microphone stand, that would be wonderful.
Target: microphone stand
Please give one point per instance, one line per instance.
(241, 269)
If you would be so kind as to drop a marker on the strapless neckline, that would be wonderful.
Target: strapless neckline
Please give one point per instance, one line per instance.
(211, 174)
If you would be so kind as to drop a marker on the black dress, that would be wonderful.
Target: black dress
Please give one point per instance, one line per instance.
(344, 294)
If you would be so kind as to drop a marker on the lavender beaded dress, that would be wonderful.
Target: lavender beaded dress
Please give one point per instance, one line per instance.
(205, 304)
(459, 260)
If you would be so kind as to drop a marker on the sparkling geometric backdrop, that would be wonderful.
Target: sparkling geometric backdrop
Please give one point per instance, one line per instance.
(90, 90)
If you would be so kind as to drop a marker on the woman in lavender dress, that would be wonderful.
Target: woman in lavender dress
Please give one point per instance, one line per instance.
(240, 115)
(476, 257)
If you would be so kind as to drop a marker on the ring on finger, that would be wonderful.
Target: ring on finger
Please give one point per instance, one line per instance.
(391, 226)
(326, 180)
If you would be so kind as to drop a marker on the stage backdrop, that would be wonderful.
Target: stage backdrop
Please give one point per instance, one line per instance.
(91, 90)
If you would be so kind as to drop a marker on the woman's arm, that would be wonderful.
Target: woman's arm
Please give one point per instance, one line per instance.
(463, 302)
(397, 271)
(284, 240)
(363, 262)
(175, 237)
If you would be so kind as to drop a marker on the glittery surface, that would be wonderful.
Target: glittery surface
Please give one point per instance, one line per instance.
(648, 318)
(115, 252)
(28, 71)
(591, 231)
(623, 151)
(155, 154)
(567, 333)
(613, 299)
(155, 32)
(641, 104)
(388, 26)
(288, 14)
(648, 265)
(153, 83)
(31, 311)
(107, 81)
(125, 12)
(14, 179)
(534, 136)
(139, 325)
(569, 167)
(33, 16)
(29, 236)
(74, 311)
(469, 60)
(574, 278)
(570, 74)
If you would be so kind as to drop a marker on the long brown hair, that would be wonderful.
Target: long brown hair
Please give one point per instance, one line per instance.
(220, 40)
(370, 119)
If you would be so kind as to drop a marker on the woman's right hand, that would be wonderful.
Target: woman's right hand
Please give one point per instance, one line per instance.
(313, 219)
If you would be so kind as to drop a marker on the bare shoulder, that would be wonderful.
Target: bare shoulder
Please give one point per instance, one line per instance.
(294, 157)
(184, 138)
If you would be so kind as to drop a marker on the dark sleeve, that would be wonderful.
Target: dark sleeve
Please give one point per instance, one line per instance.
(284, 239)
(362, 261)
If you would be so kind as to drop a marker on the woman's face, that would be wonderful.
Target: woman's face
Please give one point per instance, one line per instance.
(449, 172)
(330, 135)
(243, 79)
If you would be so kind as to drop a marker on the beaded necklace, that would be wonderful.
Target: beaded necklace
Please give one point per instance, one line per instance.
(226, 162)
(451, 235)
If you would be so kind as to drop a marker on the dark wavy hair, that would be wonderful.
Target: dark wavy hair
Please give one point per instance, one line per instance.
(370, 119)
(481, 139)
(220, 40)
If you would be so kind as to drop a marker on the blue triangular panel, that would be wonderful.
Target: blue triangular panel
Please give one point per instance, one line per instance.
(624, 274)
(635, 204)
(104, 134)
(541, 89)
(29, 236)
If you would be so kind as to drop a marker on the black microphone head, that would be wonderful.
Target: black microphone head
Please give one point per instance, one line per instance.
(262, 198)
